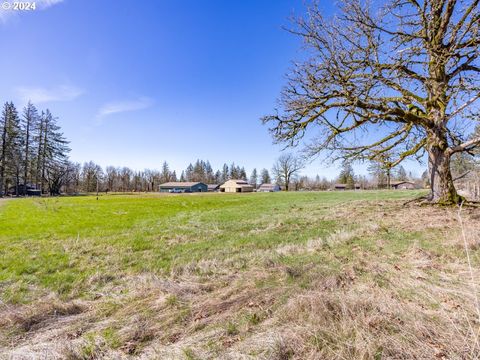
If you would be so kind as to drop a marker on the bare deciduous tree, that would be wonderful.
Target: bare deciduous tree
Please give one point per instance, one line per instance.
(401, 78)
(286, 168)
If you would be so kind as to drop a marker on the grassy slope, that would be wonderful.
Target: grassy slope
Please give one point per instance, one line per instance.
(219, 275)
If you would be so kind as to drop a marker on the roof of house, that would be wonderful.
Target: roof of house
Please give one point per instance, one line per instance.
(345, 185)
(242, 183)
(268, 186)
(213, 186)
(180, 184)
(396, 183)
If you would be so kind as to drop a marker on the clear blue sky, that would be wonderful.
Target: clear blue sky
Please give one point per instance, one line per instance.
(135, 83)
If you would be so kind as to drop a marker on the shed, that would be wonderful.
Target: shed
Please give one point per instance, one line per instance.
(21, 189)
(183, 187)
(269, 188)
(213, 187)
(343, 187)
(236, 186)
(403, 185)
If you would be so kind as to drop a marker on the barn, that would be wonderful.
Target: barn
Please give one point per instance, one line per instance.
(236, 186)
(403, 185)
(213, 187)
(269, 188)
(183, 187)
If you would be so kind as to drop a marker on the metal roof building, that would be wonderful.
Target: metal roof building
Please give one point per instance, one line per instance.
(184, 187)
(236, 186)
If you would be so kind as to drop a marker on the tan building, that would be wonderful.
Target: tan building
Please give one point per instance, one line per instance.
(236, 186)
(403, 185)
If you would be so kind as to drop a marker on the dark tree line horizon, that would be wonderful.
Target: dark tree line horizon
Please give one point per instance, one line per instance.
(34, 154)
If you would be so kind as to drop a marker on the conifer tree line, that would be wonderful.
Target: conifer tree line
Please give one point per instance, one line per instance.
(33, 151)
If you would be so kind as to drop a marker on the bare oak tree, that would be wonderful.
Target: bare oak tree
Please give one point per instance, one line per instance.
(286, 168)
(399, 76)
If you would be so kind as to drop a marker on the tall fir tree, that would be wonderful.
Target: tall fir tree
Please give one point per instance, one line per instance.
(254, 178)
(10, 150)
(29, 123)
(347, 175)
(265, 177)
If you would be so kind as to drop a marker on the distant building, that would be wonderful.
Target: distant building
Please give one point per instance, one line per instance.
(269, 188)
(213, 187)
(402, 185)
(343, 187)
(183, 187)
(236, 186)
(28, 190)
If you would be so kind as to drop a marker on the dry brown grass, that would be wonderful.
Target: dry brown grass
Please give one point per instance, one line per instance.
(372, 296)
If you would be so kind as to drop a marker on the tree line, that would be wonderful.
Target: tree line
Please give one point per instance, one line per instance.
(33, 151)
(91, 177)
(34, 155)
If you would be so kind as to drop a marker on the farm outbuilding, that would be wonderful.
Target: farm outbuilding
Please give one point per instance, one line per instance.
(269, 188)
(183, 187)
(403, 185)
(213, 187)
(343, 187)
(236, 186)
(21, 189)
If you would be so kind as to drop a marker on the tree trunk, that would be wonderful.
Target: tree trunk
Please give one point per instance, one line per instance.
(441, 181)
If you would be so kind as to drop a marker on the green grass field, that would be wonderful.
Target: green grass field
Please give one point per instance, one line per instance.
(357, 275)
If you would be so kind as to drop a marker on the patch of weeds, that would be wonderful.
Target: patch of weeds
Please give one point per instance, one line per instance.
(108, 308)
(17, 293)
(381, 280)
(183, 315)
(89, 349)
(190, 354)
(254, 318)
(111, 337)
(172, 300)
(294, 273)
(232, 329)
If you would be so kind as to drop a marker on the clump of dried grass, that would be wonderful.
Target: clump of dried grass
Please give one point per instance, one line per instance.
(30, 318)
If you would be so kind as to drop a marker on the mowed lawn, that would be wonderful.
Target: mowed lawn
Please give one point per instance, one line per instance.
(271, 275)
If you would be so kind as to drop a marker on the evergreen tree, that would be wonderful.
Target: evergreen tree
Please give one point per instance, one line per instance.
(189, 173)
(165, 175)
(234, 173)
(218, 177)
(254, 178)
(242, 174)
(209, 175)
(225, 173)
(10, 150)
(265, 177)
(54, 148)
(30, 122)
(347, 175)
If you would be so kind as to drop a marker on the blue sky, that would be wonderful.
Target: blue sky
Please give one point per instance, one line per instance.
(135, 83)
